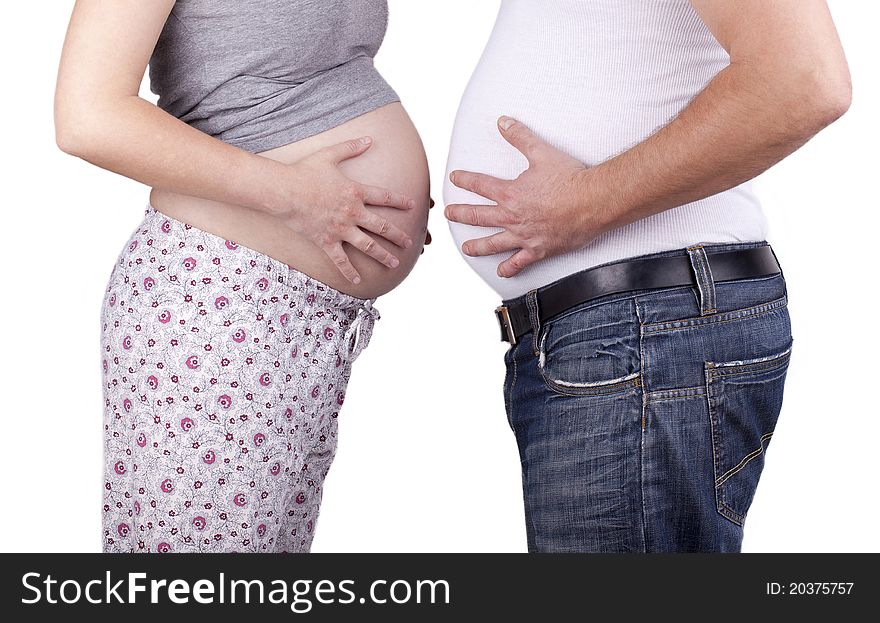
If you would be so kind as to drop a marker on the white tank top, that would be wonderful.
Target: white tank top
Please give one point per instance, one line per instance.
(593, 78)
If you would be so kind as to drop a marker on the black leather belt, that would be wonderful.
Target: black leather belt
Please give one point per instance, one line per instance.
(628, 275)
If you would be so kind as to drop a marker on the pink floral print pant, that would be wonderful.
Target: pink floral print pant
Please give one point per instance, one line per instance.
(224, 371)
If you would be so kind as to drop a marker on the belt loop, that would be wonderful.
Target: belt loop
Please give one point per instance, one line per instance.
(705, 282)
(534, 318)
(781, 272)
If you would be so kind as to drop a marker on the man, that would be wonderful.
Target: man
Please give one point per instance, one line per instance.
(646, 312)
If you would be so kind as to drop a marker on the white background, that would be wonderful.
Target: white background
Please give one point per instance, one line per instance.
(426, 460)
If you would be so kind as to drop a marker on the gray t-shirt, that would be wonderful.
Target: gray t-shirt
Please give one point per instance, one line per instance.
(259, 74)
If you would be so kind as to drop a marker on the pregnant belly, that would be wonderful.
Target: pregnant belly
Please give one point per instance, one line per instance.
(396, 161)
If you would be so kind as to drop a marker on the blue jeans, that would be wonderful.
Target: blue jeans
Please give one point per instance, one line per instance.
(643, 418)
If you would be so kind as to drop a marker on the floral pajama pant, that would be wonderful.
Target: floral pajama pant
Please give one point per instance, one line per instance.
(224, 371)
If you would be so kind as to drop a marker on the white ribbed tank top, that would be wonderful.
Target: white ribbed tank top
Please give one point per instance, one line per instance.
(593, 78)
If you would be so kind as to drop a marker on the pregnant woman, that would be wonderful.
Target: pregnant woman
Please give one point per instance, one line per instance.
(289, 190)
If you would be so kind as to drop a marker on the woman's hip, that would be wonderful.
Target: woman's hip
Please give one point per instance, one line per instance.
(188, 312)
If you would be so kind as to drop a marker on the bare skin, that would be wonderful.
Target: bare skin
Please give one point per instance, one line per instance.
(787, 79)
(396, 160)
(297, 203)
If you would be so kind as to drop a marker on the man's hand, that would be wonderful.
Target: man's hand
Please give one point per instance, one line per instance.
(787, 79)
(543, 212)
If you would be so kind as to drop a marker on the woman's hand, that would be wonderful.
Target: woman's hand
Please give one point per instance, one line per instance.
(330, 209)
(100, 118)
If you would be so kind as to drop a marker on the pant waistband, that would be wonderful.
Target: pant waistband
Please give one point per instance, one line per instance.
(700, 265)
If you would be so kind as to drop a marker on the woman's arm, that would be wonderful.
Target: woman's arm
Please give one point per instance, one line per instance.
(100, 118)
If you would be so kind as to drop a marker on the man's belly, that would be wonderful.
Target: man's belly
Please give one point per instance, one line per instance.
(396, 161)
(591, 127)
(732, 216)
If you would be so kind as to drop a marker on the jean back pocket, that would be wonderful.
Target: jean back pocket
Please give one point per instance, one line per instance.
(745, 398)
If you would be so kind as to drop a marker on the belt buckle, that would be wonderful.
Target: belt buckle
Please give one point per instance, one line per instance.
(507, 332)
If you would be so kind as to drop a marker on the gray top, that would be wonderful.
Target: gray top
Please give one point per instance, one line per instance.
(259, 74)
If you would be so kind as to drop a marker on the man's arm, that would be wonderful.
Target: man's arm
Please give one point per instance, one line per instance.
(787, 79)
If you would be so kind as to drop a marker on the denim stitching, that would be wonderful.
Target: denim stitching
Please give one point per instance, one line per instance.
(700, 275)
(510, 394)
(595, 384)
(728, 512)
(710, 285)
(748, 362)
(592, 391)
(746, 460)
(711, 374)
(710, 400)
(745, 368)
(731, 316)
(705, 282)
(661, 295)
(643, 366)
(677, 394)
(535, 318)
